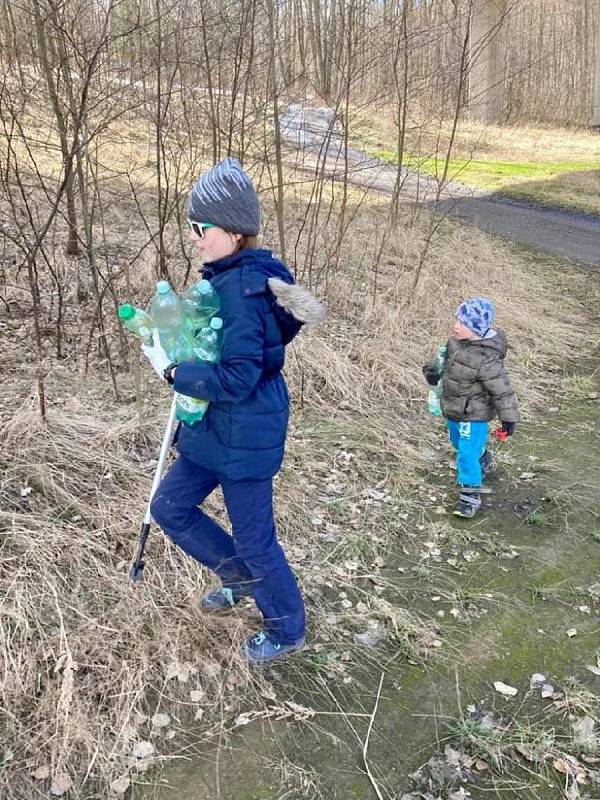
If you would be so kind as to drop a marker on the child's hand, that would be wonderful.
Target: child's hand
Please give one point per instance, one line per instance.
(432, 374)
(508, 428)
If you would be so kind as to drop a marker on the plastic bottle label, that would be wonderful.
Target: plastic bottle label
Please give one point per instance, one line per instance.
(191, 405)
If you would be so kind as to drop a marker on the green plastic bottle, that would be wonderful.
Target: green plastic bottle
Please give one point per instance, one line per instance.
(435, 393)
(137, 321)
(207, 344)
(200, 303)
(207, 347)
(167, 313)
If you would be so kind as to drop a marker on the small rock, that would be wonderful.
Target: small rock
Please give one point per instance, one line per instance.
(593, 395)
(547, 690)
(160, 720)
(553, 410)
(572, 632)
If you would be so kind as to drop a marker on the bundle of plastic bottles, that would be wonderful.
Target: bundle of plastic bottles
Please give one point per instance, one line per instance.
(435, 393)
(189, 329)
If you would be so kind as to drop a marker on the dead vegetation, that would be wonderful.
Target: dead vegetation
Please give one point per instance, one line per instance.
(89, 660)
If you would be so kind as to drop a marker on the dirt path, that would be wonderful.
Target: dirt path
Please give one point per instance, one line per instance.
(571, 235)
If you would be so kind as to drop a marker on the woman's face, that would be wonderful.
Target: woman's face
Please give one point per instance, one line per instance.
(215, 243)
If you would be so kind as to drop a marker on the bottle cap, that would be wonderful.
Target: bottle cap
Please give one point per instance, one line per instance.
(162, 287)
(216, 323)
(204, 286)
(126, 311)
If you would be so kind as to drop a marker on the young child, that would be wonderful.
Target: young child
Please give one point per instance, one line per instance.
(239, 444)
(475, 389)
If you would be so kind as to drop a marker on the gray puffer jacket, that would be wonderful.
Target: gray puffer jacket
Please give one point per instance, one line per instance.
(475, 385)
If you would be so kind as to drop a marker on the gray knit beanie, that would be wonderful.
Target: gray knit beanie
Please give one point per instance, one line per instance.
(226, 197)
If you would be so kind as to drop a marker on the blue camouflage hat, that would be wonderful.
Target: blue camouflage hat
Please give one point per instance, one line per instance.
(477, 314)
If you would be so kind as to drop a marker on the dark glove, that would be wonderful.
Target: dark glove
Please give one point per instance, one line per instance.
(508, 428)
(432, 374)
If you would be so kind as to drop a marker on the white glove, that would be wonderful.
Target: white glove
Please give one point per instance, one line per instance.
(156, 355)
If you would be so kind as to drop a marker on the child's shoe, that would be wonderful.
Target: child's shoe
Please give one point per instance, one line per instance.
(469, 502)
(219, 600)
(261, 648)
(486, 461)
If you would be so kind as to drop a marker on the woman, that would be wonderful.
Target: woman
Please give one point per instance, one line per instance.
(239, 444)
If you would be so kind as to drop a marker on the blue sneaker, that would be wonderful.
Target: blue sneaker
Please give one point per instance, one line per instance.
(261, 649)
(222, 599)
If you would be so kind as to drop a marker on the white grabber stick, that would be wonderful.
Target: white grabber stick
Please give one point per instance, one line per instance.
(137, 570)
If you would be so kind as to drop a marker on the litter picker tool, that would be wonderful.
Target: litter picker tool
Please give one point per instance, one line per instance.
(137, 570)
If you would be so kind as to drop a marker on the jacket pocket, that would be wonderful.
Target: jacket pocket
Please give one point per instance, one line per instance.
(258, 431)
(219, 422)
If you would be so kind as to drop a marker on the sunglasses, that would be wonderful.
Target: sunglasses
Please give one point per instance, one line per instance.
(199, 227)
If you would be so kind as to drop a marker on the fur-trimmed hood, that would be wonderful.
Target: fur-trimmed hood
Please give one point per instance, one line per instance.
(298, 301)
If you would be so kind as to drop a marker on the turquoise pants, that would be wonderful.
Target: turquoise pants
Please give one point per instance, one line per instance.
(468, 439)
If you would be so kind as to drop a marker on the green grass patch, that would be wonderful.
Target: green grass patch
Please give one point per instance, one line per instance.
(491, 174)
(568, 184)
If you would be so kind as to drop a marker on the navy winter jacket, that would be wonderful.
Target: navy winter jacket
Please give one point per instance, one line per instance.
(242, 435)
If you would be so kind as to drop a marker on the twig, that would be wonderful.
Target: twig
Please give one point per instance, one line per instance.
(366, 742)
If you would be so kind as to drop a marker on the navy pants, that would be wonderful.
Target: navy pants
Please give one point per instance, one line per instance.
(251, 560)
(468, 439)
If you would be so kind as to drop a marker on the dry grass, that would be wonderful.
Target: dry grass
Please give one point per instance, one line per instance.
(536, 143)
(89, 659)
(551, 166)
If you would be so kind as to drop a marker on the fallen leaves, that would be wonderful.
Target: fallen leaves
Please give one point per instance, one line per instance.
(41, 773)
(121, 785)
(143, 749)
(61, 784)
(569, 765)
